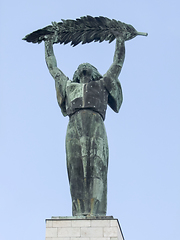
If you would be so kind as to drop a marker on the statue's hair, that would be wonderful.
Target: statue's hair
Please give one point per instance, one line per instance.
(95, 74)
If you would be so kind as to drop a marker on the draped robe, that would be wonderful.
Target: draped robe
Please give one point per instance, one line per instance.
(86, 140)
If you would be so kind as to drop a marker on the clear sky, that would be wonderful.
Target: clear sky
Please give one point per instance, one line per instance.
(144, 137)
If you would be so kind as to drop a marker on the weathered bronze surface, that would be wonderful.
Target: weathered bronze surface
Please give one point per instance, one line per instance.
(85, 100)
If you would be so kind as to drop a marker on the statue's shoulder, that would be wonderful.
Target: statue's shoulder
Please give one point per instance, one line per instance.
(111, 83)
(70, 83)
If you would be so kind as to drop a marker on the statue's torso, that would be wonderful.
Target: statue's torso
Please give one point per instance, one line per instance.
(92, 95)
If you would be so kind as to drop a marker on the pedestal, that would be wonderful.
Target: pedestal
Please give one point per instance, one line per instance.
(74, 228)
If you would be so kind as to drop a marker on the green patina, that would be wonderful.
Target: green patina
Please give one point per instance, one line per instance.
(85, 101)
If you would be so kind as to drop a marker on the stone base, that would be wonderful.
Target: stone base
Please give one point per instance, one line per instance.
(86, 228)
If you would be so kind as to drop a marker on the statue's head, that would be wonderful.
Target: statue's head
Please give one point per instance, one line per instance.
(86, 73)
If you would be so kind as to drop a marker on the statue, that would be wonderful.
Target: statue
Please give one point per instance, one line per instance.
(85, 100)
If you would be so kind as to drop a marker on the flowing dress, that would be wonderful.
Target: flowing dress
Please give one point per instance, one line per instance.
(86, 140)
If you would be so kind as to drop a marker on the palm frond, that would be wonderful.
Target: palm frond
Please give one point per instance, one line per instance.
(84, 30)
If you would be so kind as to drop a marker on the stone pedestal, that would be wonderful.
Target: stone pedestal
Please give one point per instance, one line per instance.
(74, 228)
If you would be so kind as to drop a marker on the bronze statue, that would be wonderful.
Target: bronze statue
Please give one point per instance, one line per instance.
(85, 100)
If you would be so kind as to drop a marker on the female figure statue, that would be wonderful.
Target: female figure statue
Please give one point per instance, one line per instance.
(84, 100)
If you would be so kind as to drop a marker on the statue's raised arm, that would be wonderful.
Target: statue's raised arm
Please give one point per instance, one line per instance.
(56, 73)
(118, 60)
(112, 83)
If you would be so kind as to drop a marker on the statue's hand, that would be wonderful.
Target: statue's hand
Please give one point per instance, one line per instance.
(119, 35)
(126, 32)
(56, 30)
(55, 26)
(53, 38)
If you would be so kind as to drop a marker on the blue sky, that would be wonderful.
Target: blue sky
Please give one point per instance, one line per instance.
(144, 137)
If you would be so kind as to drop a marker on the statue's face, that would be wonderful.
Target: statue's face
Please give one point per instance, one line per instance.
(85, 73)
